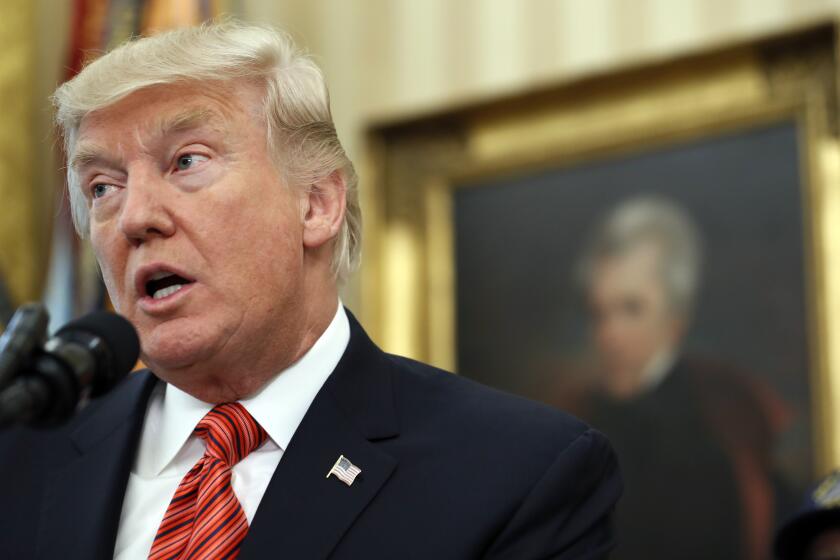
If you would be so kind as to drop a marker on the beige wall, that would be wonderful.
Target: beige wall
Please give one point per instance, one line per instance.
(33, 35)
(394, 57)
(386, 59)
(26, 161)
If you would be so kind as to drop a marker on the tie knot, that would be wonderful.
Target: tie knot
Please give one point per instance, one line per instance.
(230, 433)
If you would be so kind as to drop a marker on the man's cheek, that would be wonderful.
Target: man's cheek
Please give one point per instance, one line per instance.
(112, 285)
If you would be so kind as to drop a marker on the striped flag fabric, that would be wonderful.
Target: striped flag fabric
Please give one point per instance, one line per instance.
(344, 470)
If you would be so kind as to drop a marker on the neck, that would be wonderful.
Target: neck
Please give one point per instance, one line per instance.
(233, 375)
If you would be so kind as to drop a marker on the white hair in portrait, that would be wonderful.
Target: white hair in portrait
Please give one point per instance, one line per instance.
(651, 219)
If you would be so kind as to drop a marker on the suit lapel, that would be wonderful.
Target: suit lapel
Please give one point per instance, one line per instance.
(84, 491)
(303, 514)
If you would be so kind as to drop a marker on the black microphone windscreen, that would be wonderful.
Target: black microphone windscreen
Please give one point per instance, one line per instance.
(115, 331)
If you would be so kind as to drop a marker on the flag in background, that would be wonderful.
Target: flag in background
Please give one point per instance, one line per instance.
(74, 286)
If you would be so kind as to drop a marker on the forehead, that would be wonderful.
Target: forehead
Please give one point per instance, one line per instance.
(638, 267)
(166, 109)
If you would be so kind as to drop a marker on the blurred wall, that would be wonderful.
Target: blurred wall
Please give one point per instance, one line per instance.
(386, 59)
(33, 35)
(21, 214)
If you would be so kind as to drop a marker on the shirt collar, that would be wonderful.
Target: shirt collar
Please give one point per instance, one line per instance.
(279, 407)
(658, 368)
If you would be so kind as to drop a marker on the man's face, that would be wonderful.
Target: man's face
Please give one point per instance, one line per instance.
(198, 239)
(631, 317)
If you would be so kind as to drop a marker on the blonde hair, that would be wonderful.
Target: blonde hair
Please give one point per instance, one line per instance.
(300, 130)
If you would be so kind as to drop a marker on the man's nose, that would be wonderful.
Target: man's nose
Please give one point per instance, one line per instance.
(609, 334)
(145, 211)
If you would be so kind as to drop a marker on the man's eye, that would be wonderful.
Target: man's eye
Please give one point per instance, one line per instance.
(188, 160)
(100, 189)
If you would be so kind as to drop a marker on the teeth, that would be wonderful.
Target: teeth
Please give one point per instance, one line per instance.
(163, 292)
(160, 274)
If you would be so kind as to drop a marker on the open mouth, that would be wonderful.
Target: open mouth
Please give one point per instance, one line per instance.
(163, 284)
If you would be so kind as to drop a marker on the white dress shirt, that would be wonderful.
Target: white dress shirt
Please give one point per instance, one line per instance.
(657, 368)
(168, 449)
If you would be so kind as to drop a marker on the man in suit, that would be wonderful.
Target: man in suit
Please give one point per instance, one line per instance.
(204, 166)
(694, 438)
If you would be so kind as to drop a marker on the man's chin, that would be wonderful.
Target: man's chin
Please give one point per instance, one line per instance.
(173, 357)
(621, 386)
(176, 343)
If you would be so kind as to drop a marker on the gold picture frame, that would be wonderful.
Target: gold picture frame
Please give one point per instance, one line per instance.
(408, 275)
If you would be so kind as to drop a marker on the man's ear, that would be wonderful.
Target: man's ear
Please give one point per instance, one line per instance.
(323, 210)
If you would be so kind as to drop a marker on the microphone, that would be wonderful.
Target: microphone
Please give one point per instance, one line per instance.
(26, 331)
(86, 357)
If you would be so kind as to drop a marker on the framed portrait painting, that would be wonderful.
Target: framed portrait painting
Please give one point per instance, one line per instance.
(655, 251)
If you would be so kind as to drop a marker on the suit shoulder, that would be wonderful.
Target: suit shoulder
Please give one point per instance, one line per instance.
(462, 408)
(57, 438)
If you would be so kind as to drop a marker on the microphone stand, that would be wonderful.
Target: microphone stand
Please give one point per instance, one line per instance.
(26, 332)
(43, 380)
(38, 381)
(43, 396)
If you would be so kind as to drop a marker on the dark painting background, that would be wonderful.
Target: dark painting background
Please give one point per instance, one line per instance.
(521, 325)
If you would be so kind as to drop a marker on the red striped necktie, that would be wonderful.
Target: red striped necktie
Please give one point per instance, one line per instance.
(204, 520)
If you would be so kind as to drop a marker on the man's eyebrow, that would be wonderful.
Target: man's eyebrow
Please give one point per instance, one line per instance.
(85, 155)
(185, 121)
(189, 119)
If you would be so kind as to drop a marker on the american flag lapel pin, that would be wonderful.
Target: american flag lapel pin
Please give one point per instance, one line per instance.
(344, 470)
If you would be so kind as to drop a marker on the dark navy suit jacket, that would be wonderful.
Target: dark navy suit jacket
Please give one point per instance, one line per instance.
(450, 470)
